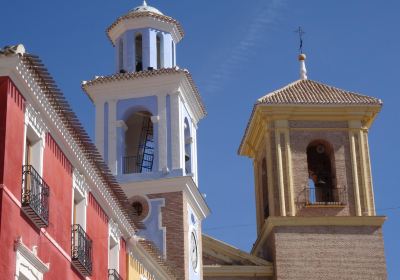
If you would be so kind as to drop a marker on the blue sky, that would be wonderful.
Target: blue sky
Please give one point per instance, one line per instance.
(237, 51)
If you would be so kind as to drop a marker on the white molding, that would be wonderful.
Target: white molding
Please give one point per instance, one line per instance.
(23, 78)
(155, 119)
(33, 119)
(29, 261)
(122, 124)
(114, 231)
(185, 184)
(144, 22)
(79, 183)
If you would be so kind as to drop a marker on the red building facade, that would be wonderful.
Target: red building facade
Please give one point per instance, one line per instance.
(62, 216)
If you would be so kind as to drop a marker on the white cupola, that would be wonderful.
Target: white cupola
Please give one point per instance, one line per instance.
(144, 39)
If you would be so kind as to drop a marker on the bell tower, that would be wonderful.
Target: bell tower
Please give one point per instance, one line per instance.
(147, 115)
(315, 205)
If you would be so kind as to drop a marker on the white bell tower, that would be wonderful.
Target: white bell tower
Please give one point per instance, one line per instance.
(146, 129)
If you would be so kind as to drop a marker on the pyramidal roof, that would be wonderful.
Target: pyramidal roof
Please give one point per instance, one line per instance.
(310, 92)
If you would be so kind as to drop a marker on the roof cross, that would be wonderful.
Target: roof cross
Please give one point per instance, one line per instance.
(301, 32)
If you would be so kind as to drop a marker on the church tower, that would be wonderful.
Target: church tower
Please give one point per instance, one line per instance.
(315, 205)
(147, 115)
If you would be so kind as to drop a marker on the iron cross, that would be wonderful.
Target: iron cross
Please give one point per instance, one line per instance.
(301, 32)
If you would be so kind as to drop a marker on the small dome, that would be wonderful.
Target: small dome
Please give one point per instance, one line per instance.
(145, 8)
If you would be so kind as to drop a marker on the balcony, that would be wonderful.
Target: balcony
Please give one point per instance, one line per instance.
(138, 164)
(325, 196)
(81, 251)
(35, 197)
(113, 275)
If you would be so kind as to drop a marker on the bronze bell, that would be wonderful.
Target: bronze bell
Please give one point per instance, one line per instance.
(187, 157)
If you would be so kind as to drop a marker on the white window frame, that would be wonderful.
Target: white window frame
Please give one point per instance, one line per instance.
(114, 245)
(35, 132)
(80, 191)
(28, 265)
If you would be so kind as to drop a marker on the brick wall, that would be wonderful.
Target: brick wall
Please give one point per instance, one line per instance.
(173, 220)
(327, 253)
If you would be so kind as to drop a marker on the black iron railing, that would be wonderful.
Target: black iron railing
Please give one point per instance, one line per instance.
(138, 164)
(35, 196)
(325, 196)
(113, 275)
(81, 250)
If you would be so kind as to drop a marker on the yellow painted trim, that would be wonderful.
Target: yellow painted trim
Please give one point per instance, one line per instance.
(355, 175)
(238, 271)
(272, 222)
(282, 204)
(364, 173)
(292, 206)
(271, 193)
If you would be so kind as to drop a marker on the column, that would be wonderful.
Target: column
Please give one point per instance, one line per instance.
(162, 133)
(355, 174)
(112, 136)
(176, 136)
(281, 184)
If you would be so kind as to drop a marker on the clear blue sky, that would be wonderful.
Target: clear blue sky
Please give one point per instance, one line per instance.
(237, 51)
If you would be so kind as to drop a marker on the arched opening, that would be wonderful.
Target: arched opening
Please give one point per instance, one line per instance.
(139, 52)
(264, 188)
(121, 56)
(188, 147)
(160, 47)
(139, 143)
(322, 175)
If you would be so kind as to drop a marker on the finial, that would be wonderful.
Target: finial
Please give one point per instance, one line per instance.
(303, 69)
(144, 3)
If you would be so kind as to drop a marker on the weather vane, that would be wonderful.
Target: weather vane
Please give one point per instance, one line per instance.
(301, 32)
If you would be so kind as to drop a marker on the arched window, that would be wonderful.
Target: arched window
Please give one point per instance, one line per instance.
(121, 56)
(188, 147)
(139, 143)
(322, 175)
(139, 52)
(264, 188)
(160, 51)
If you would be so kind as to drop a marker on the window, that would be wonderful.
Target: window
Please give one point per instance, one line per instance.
(160, 51)
(322, 187)
(121, 56)
(188, 147)
(139, 52)
(139, 143)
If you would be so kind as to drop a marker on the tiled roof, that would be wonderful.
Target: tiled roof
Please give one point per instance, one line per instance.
(145, 74)
(132, 15)
(74, 127)
(315, 93)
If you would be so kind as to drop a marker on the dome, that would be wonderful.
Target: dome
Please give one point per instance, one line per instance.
(145, 8)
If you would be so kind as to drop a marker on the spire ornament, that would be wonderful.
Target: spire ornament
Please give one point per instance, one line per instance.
(144, 3)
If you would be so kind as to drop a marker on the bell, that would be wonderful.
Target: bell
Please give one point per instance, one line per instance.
(187, 157)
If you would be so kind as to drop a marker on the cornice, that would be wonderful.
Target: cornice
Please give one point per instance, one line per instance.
(238, 271)
(344, 221)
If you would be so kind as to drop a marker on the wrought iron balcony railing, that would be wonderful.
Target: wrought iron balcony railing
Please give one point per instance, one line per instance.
(325, 196)
(138, 164)
(81, 251)
(113, 275)
(35, 196)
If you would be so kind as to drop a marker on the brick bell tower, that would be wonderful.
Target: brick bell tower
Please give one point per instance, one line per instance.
(314, 197)
(146, 122)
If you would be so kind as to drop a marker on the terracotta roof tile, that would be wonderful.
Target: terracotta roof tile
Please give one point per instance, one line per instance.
(315, 93)
(146, 74)
(160, 17)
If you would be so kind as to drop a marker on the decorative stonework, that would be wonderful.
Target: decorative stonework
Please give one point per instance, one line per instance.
(27, 262)
(79, 183)
(114, 230)
(33, 118)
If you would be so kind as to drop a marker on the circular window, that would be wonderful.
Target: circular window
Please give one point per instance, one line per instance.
(140, 207)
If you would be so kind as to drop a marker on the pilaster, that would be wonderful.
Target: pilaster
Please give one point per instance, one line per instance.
(162, 133)
(176, 136)
(112, 131)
